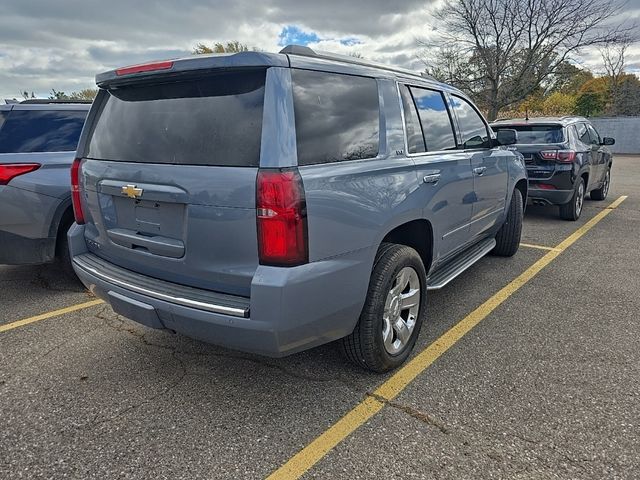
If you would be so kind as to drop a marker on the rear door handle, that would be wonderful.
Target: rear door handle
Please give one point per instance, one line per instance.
(432, 178)
(479, 171)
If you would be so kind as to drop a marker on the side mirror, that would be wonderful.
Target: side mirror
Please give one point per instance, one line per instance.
(507, 136)
(608, 141)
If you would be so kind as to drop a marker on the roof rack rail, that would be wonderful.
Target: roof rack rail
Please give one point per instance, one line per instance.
(304, 51)
(45, 101)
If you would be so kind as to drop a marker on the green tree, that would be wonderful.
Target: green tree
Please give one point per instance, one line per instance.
(230, 47)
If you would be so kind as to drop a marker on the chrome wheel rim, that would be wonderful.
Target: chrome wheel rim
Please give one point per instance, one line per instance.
(579, 198)
(401, 311)
(605, 187)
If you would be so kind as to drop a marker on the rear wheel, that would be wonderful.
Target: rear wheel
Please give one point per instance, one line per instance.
(393, 312)
(508, 237)
(573, 209)
(63, 257)
(602, 192)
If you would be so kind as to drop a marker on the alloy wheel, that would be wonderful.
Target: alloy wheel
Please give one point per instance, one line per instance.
(401, 311)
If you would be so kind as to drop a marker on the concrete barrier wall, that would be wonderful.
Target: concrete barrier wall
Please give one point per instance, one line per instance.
(626, 131)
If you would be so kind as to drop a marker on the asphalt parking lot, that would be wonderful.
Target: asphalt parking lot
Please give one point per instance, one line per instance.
(545, 384)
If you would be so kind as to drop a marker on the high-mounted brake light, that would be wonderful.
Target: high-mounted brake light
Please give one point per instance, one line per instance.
(145, 67)
(559, 155)
(75, 191)
(282, 218)
(10, 171)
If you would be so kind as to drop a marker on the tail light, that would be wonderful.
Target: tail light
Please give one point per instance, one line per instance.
(10, 171)
(145, 67)
(75, 191)
(559, 155)
(282, 218)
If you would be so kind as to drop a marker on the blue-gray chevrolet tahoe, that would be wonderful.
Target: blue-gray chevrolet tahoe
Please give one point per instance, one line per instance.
(38, 140)
(274, 202)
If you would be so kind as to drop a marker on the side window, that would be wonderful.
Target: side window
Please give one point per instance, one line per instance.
(415, 140)
(595, 138)
(337, 117)
(434, 116)
(474, 130)
(27, 131)
(583, 133)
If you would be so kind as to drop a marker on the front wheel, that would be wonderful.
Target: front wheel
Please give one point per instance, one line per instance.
(508, 237)
(573, 209)
(602, 192)
(393, 312)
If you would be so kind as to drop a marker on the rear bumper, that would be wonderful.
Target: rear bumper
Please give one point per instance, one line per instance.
(549, 197)
(559, 188)
(290, 309)
(19, 250)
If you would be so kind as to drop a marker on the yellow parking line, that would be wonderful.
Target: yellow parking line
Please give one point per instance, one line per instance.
(44, 316)
(539, 247)
(367, 408)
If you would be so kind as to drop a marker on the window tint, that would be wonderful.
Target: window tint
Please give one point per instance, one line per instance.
(436, 124)
(27, 131)
(583, 133)
(535, 134)
(3, 115)
(213, 120)
(415, 140)
(595, 138)
(337, 117)
(473, 129)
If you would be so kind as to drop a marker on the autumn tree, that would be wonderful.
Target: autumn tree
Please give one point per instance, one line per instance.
(500, 51)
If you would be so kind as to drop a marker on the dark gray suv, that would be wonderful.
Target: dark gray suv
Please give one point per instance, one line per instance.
(275, 202)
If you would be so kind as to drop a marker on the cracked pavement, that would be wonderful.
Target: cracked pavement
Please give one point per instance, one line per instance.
(547, 386)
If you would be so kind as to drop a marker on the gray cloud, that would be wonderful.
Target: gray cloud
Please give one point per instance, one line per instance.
(63, 44)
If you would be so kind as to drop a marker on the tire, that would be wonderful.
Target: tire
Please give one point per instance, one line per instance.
(572, 210)
(602, 192)
(508, 237)
(375, 344)
(63, 257)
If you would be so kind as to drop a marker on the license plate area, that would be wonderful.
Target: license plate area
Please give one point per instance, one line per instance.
(149, 217)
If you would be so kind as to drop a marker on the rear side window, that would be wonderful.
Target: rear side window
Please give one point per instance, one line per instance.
(415, 140)
(536, 134)
(472, 127)
(337, 117)
(29, 131)
(436, 123)
(213, 120)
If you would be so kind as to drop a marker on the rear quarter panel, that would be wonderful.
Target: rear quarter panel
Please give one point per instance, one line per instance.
(33, 204)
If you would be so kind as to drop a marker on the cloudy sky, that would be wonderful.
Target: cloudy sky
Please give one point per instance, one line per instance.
(63, 44)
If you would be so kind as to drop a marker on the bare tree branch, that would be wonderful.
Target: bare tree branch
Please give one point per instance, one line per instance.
(500, 51)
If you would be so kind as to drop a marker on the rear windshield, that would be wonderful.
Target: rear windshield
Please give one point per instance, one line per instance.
(29, 131)
(536, 134)
(337, 117)
(213, 120)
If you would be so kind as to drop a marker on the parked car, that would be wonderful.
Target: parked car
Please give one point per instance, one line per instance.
(275, 202)
(38, 139)
(566, 159)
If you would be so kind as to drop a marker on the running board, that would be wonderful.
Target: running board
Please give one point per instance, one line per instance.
(459, 264)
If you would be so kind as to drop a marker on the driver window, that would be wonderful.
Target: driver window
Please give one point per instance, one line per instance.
(595, 138)
(472, 127)
(583, 133)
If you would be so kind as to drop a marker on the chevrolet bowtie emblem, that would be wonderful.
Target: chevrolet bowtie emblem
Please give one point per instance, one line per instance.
(132, 191)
